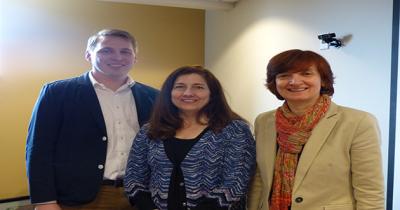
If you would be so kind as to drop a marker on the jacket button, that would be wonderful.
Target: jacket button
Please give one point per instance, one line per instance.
(100, 166)
(299, 199)
(104, 138)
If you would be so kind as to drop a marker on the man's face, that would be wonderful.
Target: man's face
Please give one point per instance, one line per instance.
(112, 56)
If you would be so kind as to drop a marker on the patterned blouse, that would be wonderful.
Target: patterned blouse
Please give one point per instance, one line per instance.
(218, 166)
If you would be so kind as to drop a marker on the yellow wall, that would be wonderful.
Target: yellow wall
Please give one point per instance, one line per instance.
(44, 40)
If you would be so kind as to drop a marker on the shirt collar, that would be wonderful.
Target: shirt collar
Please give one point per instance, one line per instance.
(129, 82)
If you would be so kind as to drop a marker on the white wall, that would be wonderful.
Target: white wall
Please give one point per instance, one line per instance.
(240, 42)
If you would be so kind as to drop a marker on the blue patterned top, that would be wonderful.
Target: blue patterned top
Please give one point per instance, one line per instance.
(218, 166)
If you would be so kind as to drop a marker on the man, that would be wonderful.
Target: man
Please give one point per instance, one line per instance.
(82, 129)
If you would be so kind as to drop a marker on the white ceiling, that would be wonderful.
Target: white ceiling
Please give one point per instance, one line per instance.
(194, 4)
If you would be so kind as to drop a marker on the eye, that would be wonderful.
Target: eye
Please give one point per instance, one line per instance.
(179, 87)
(307, 73)
(199, 87)
(126, 52)
(105, 50)
(282, 76)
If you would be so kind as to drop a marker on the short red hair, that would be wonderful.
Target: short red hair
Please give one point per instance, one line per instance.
(298, 60)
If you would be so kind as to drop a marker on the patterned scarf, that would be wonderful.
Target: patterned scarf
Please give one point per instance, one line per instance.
(292, 133)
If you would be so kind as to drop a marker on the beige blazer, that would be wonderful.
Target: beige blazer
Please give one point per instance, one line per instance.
(340, 167)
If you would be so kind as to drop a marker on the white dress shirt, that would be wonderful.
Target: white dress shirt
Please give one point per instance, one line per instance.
(120, 116)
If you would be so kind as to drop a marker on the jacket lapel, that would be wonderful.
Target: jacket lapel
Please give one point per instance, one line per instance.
(314, 144)
(267, 150)
(137, 96)
(90, 102)
(143, 102)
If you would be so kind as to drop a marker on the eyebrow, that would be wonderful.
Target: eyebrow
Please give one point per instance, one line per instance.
(109, 47)
(182, 83)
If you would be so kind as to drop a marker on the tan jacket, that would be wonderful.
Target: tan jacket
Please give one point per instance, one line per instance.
(340, 167)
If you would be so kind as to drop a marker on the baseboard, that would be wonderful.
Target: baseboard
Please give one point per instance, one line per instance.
(19, 203)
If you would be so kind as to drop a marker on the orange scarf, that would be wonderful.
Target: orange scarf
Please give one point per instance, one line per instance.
(292, 133)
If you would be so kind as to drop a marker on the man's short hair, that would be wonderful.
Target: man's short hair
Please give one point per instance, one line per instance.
(93, 40)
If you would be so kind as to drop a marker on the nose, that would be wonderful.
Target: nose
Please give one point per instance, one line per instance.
(188, 92)
(117, 56)
(293, 79)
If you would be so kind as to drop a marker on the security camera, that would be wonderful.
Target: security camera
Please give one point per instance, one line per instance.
(327, 37)
(330, 40)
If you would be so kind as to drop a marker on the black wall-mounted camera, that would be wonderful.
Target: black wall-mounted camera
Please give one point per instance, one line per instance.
(327, 37)
(330, 39)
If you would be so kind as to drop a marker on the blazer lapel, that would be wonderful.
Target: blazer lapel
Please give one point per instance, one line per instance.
(143, 102)
(317, 139)
(267, 150)
(87, 95)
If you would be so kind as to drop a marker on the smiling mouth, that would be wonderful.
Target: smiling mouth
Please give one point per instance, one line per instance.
(189, 100)
(116, 65)
(297, 89)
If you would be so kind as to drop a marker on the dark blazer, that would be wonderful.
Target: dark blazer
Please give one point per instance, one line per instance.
(67, 140)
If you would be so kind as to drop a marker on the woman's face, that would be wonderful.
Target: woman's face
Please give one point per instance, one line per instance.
(190, 93)
(300, 88)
